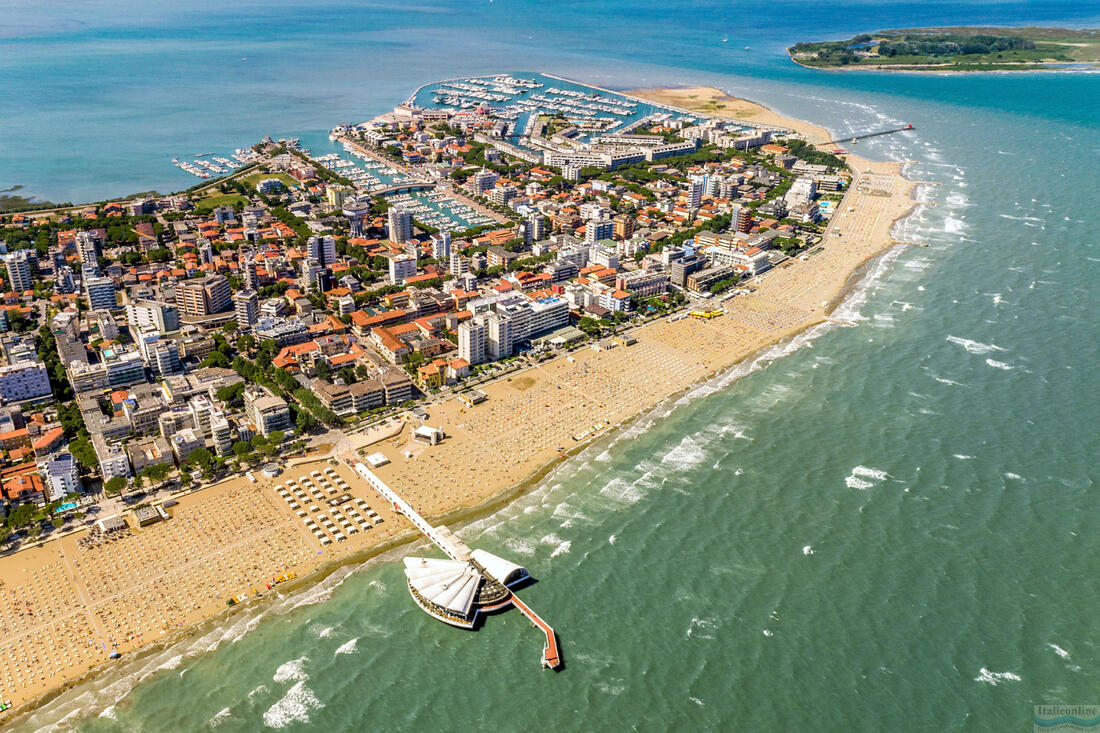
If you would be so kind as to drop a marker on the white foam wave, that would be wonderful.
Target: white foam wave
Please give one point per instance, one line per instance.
(864, 477)
(569, 515)
(808, 550)
(294, 707)
(322, 591)
(963, 457)
(995, 678)
(347, 647)
(292, 670)
(702, 628)
(974, 347)
(872, 473)
(1059, 651)
(562, 548)
(623, 492)
(687, 454)
(1013, 476)
(220, 717)
(999, 365)
(520, 546)
(951, 225)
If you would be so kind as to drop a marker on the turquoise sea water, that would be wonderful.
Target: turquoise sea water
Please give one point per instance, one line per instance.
(892, 527)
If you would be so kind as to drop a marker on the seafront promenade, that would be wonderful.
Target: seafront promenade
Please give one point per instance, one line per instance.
(66, 607)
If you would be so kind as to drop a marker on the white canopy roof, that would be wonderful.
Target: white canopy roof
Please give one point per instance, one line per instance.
(498, 567)
(451, 584)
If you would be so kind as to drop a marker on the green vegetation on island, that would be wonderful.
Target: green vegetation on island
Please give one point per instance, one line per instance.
(954, 49)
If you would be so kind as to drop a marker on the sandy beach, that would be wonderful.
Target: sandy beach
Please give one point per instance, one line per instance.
(66, 605)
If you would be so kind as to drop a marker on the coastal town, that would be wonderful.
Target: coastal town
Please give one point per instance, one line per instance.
(464, 291)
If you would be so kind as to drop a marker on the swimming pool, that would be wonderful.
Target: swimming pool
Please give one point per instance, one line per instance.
(67, 506)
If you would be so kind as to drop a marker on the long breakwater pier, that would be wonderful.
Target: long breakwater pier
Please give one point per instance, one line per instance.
(854, 138)
(466, 584)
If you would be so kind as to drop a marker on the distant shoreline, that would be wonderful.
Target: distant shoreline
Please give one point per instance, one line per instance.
(955, 50)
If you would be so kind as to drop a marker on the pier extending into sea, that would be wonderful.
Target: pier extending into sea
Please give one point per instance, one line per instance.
(495, 574)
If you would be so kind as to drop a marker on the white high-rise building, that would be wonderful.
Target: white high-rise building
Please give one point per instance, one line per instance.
(695, 192)
(441, 246)
(23, 380)
(322, 249)
(598, 229)
(62, 476)
(499, 336)
(246, 304)
(536, 227)
(21, 267)
(401, 267)
(152, 315)
(87, 248)
(312, 273)
(101, 293)
(202, 414)
(459, 265)
(399, 225)
(484, 180)
(162, 357)
(251, 278)
(472, 335)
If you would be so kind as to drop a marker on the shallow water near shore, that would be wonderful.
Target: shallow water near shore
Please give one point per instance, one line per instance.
(893, 527)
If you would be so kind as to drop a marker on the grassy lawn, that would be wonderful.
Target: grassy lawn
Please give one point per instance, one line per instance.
(209, 203)
(255, 178)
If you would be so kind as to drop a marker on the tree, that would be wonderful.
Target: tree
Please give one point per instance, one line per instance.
(246, 343)
(114, 486)
(276, 437)
(203, 459)
(232, 394)
(324, 371)
(71, 421)
(157, 472)
(22, 515)
(19, 322)
(589, 325)
(215, 359)
(84, 453)
(304, 421)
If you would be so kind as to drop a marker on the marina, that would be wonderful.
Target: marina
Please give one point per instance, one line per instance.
(372, 177)
(528, 105)
(217, 165)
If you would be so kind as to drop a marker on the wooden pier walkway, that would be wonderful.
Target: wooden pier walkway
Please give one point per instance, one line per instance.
(456, 549)
(551, 659)
(867, 135)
